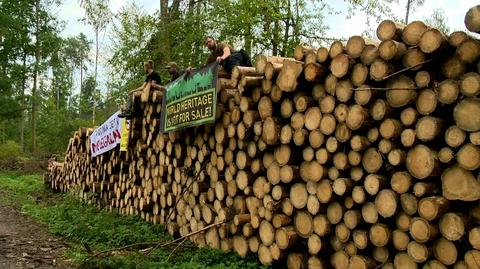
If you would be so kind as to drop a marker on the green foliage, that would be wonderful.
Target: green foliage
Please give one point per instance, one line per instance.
(97, 13)
(79, 223)
(18, 189)
(34, 76)
(10, 151)
(439, 20)
(130, 35)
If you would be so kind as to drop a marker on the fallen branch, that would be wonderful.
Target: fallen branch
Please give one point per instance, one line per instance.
(158, 244)
(186, 236)
(173, 251)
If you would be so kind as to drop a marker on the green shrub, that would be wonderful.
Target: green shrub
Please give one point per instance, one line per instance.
(11, 155)
(10, 151)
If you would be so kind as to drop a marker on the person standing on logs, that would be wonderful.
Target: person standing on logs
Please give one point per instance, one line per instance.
(152, 79)
(174, 71)
(223, 54)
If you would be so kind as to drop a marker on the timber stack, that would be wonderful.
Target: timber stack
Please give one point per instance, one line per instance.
(360, 155)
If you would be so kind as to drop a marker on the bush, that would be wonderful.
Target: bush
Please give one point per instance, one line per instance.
(11, 155)
(10, 152)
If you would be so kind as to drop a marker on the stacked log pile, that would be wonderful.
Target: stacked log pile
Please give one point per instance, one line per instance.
(360, 155)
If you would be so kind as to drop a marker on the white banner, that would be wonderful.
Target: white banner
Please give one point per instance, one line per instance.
(107, 136)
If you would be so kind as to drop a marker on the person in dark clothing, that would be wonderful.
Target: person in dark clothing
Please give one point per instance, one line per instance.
(152, 80)
(174, 71)
(223, 54)
(153, 77)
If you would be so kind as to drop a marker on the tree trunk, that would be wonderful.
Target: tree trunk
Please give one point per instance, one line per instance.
(35, 79)
(22, 103)
(96, 73)
(407, 11)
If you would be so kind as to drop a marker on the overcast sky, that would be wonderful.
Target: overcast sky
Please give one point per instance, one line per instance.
(455, 10)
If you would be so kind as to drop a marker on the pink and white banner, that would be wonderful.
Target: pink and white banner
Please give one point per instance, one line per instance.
(107, 136)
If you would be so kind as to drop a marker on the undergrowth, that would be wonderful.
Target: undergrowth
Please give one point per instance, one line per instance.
(84, 225)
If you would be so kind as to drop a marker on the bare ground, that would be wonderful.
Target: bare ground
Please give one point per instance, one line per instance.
(26, 244)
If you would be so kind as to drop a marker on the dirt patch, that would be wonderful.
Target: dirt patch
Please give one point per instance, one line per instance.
(26, 244)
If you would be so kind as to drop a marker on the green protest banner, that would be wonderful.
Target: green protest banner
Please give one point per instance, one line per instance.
(190, 100)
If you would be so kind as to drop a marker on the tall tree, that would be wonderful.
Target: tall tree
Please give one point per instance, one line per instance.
(98, 15)
(129, 39)
(75, 53)
(15, 49)
(129, 36)
(87, 98)
(44, 31)
(411, 5)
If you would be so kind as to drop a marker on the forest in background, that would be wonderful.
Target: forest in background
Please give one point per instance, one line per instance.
(49, 83)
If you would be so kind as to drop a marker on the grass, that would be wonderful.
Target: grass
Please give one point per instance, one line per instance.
(81, 224)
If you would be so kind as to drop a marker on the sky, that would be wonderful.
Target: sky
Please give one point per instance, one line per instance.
(71, 13)
(455, 10)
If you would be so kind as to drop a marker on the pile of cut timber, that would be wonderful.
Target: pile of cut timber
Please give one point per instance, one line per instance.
(360, 155)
